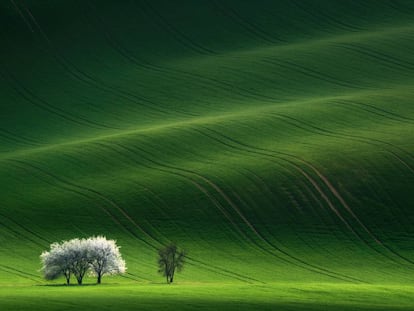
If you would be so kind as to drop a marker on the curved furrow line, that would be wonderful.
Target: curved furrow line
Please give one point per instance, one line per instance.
(400, 7)
(236, 208)
(222, 271)
(178, 228)
(19, 234)
(169, 73)
(335, 192)
(278, 95)
(226, 86)
(330, 187)
(324, 76)
(263, 186)
(253, 76)
(309, 245)
(310, 128)
(132, 97)
(131, 278)
(253, 150)
(345, 233)
(177, 35)
(135, 277)
(167, 169)
(329, 215)
(238, 232)
(384, 58)
(25, 229)
(335, 23)
(201, 80)
(345, 26)
(296, 261)
(96, 193)
(313, 182)
(251, 28)
(25, 20)
(393, 59)
(223, 211)
(163, 205)
(314, 268)
(114, 43)
(361, 107)
(7, 140)
(160, 204)
(402, 161)
(316, 186)
(378, 142)
(310, 73)
(38, 102)
(14, 141)
(328, 201)
(198, 186)
(87, 79)
(286, 253)
(20, 273)
(389, 248)
(303, 125)
(357, 138)
(387, 202)
(312, 17)
(69, 188)
(391, 114)
(22, 139)
(254, 243)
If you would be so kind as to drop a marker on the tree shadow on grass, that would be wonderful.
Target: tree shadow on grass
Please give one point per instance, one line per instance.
(76, 285)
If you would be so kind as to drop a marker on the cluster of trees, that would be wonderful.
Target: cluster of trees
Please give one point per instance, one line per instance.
(77, 257)
(100, 256)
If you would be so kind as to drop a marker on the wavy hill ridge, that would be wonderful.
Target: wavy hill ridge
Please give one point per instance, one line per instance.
(273, 141)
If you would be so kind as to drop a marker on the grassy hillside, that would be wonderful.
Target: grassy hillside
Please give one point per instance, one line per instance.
(274, 140)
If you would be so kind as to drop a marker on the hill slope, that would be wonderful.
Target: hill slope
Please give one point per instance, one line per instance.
(273, 141)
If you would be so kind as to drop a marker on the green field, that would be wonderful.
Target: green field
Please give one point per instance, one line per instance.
(273, 140)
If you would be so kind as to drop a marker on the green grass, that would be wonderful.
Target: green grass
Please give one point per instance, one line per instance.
(272, 140)
(210, 297)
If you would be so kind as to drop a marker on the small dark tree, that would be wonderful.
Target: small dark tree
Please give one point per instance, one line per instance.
(170, 259)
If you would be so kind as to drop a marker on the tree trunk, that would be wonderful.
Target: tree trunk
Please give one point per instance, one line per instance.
(99, 278)
(67, 277)
(172, 276)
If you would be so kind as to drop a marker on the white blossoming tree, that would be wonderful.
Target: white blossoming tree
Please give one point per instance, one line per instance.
(104, 257)
(57, 262)
(78, 256)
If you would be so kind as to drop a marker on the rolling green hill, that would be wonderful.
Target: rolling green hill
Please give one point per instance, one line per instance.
(273, 140)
